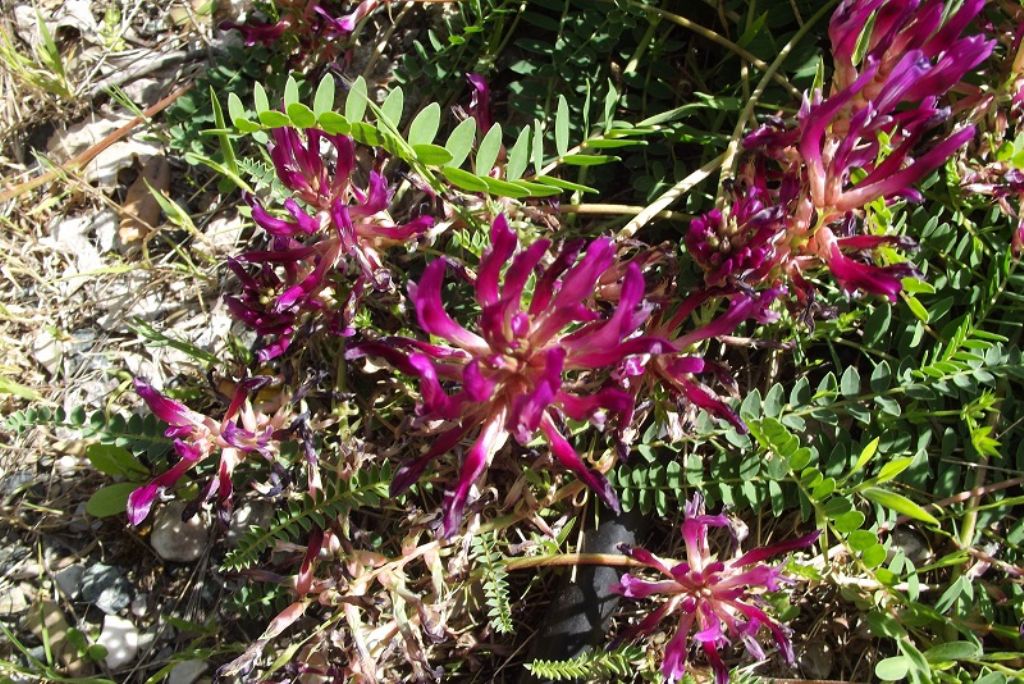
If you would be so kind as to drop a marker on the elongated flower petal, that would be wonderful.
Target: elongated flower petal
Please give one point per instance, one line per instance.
(567, 456)
(426, 296)
(492, 437)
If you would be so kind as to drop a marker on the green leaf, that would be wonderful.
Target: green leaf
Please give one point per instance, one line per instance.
(116, 461)
(434, 155)
(537, 189)
(861, 540)
(260, 101)
(502, 188)
(356, 102)
(799, 459)
(562, 127)
(15, 389)
(564, 184)
(537, 156)
(892, 469)
(274, 118)
(333, 123)
(892, 669)
(916, 307)
(849, 385)
(873, 556)
(460, 142)
(110, 500)
(423, 128)
(611, 101)
(915, 286)
(866, 454)
(613, 144)
(236, 110)
(589, 159)
(899, 503)
(488, 151)
(323, 100)
(301, 115)
(393, 106)
(953, 650)
(849, 521)
(519, 156)
(291, 91)
(464, 179)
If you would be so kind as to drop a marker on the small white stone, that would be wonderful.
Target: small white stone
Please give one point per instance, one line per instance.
(48, 351)
(121, 640)
(186, 672)
(174, 540)
(105, 228)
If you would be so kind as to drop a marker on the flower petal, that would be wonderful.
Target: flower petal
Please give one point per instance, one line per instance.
(567, 456)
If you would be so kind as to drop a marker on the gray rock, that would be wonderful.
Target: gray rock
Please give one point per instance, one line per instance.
(815, 659)
(106, 588)
(249, 514)
(913, 545)
(186, 672)
(69, 580)
(177, 540)
(121, 640)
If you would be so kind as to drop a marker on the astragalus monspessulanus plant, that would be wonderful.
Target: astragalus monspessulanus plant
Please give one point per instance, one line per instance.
(451, 373)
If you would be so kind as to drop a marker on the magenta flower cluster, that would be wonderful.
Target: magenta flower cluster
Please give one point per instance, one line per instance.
(325, 252)
(717, 601)
(527, 367)
(802, 196)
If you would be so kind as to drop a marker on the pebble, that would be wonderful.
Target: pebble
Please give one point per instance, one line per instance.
(121, 640)
(105, 587)
(177, 540)
(140, 605)
(249, 514)
(13, 600)
(913, 544)
(69, 580)
(815, 659)
(186, 672)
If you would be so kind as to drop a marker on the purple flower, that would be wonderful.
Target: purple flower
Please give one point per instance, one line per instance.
(902, 26)
(853, 274)
(526, 367)
(342, 227)
(244, 429)
(740, 248)
(675, 367)
(306, 20)
(259, 32)
(480, 103)
(714, 599)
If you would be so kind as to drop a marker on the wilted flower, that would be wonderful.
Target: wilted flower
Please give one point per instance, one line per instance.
(527, 368)
(245, 428)
(718, 598)
(343, 225)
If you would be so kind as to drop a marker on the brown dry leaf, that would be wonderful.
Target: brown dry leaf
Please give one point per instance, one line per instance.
(141, 211)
